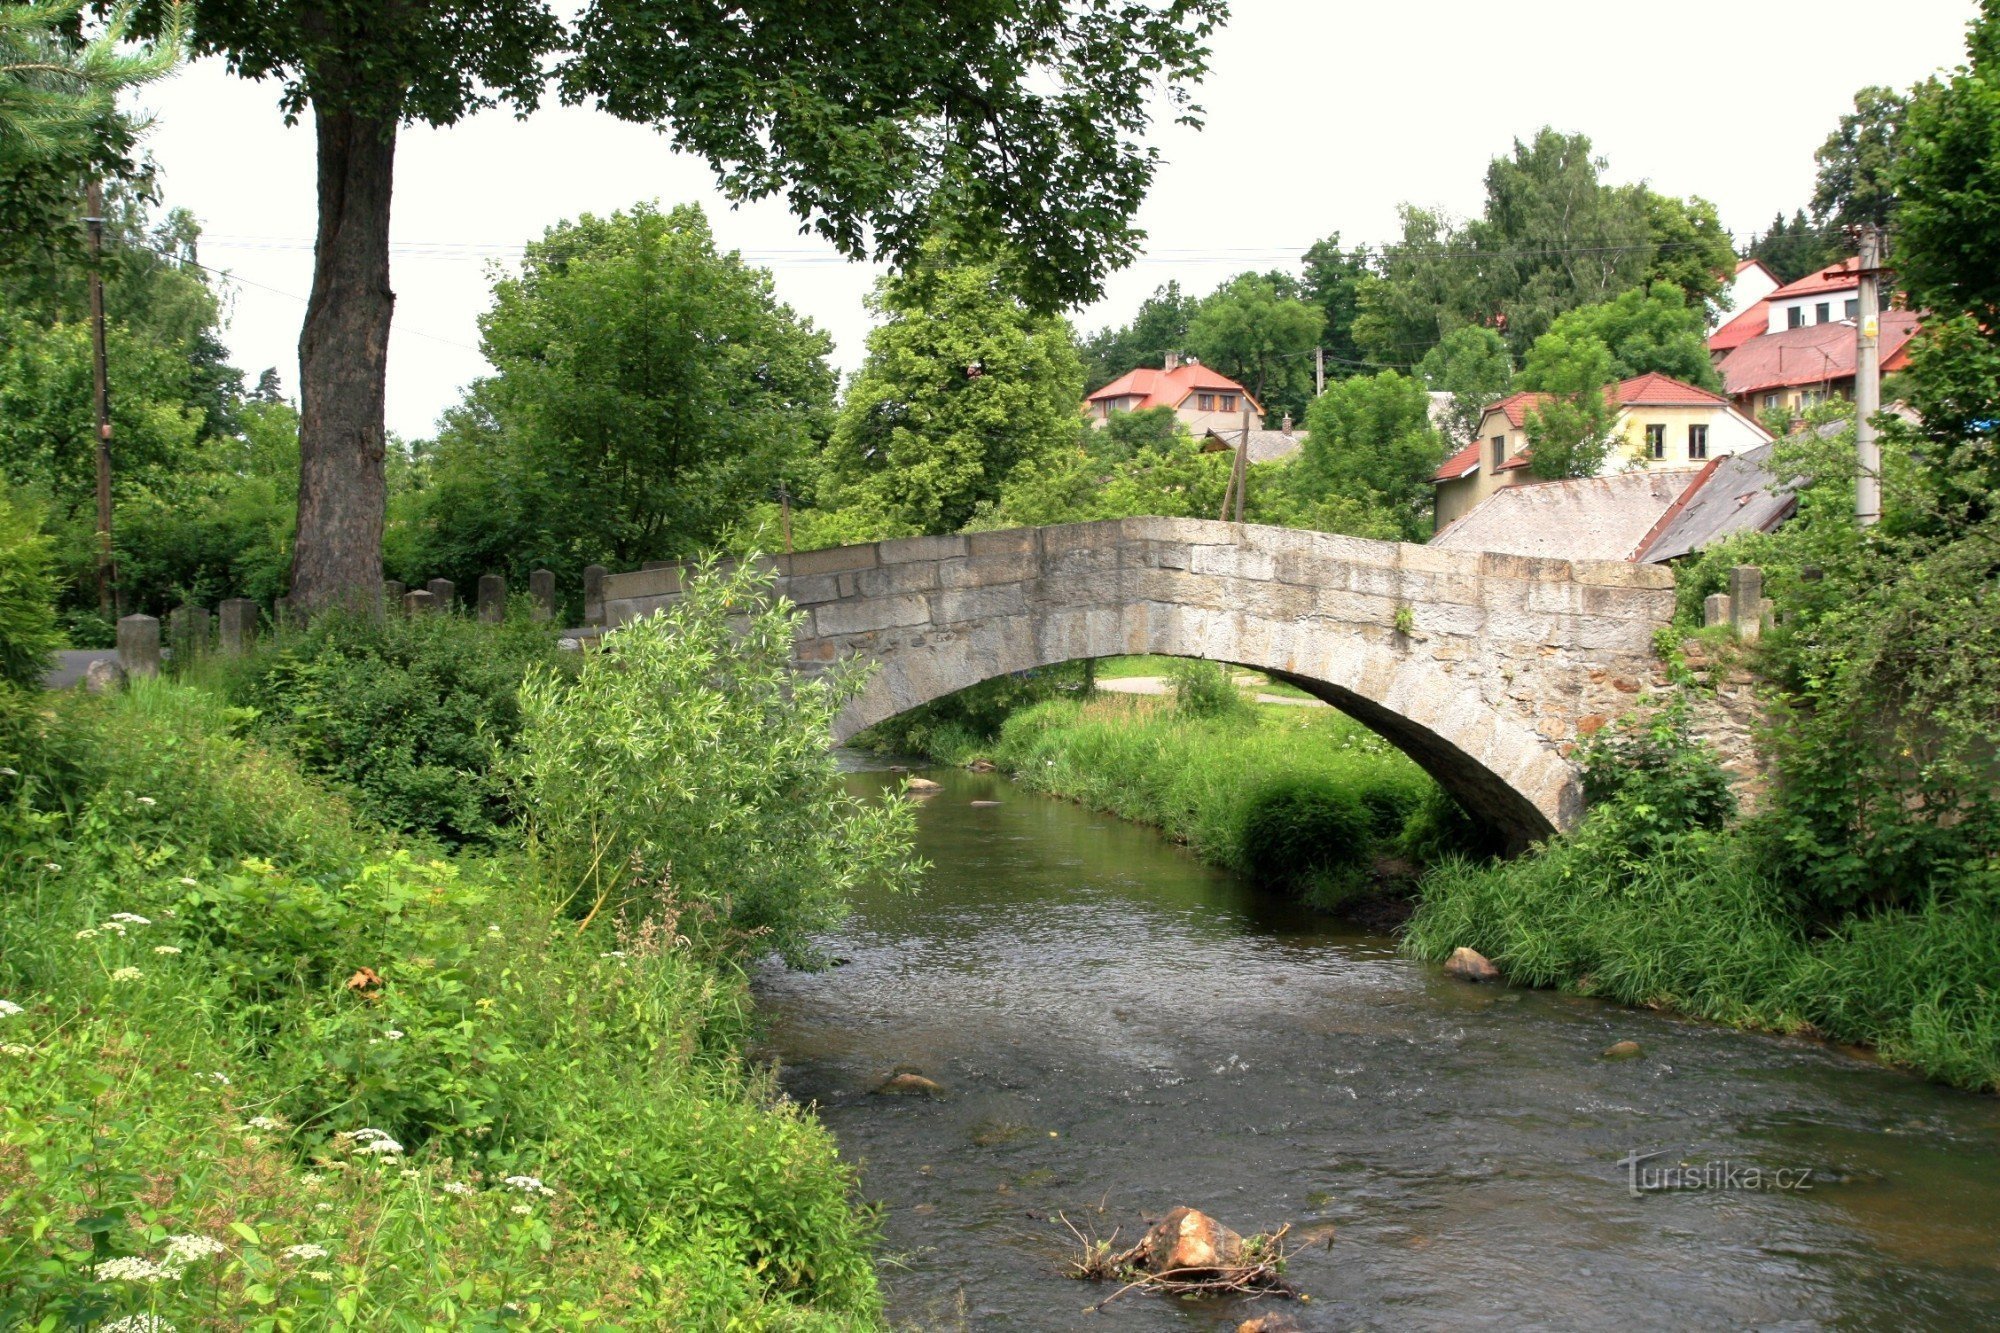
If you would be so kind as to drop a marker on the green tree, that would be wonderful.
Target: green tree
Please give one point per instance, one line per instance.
(1793, 249)
(963, 383)
(1691, 251)
(1136, 464)
(1256, 330)
(1370, 443)
(1332, 281)
(1473, 366)
(1644, 330)
(880, 123)
(1858, 163)
(647, 392)
(1570, 434)
(1159, 327)
(1422, 287)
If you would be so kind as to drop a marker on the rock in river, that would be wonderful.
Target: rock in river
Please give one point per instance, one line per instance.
(1188, 1243)
(1624, 1050)
(907, 1082)
(1471, 965)
(1270, 1323)
(921, 787)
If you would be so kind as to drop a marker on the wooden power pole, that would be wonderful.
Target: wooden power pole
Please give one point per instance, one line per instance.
(1319, 371)
(1868, 381)
(1241, 479)
(106, 574)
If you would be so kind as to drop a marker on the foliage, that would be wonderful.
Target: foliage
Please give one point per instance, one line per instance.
(1206, 689)
(1473, 366)
(413, 715)
(1199, 779)
(963, 385)
(1858, 163)
(1256, 330)
(686, 752)
(648, 391)
(1656, 783)
(1948, 180)
(1136, 464)
(1793, 249)
(1569, 434)
(954, 729)
(1298, 831)
(28, 637)
(382, 1091)
(1332, 280)
(1370, 441)
(1644, 330)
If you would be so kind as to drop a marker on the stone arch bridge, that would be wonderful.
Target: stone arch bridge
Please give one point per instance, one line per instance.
(1485, 669)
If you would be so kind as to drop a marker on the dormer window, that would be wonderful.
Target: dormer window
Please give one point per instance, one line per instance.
(1229, 402)
(1204, 402)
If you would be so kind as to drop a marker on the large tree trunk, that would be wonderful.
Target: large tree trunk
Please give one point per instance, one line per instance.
(343, 360)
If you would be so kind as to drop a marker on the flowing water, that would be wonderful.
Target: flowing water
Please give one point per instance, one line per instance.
(1121, 1030)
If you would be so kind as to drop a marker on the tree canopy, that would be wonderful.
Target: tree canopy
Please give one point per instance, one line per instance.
(1473, 366)
(1369, 454)
(1257, 331)
(1642, 330)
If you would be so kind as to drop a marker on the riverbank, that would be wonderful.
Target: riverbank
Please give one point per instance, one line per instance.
(273, 1065)
(1695, 924)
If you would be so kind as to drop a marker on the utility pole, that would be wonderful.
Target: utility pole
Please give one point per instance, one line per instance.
(1319, 371)
(1242, 470)
(106, 575)
(1868, 382)
(785, 512)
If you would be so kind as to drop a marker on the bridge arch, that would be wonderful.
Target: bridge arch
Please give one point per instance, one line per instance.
(1484, 669)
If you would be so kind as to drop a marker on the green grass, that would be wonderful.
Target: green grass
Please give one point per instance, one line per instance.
(221, 988)
(1204, 781)
(1701, 928)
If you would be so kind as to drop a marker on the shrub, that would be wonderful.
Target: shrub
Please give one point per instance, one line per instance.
(1655, 782)
(410, 713)
(951, 729)
(1297, 829)
(1206, 689)
(687, 750)
(28, 636)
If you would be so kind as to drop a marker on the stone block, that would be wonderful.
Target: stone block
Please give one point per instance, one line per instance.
(835, 559)
(188, 631)
(542, 593)
(237, 626)
(857, 615)
(1008, 541)
(421, 602)
(983, 571)
(662, 582)
(906, 549)
(957, 605)
(392, 594)
(444, 593)
(1746, 601)
(139, 645)
(1241, 562)
(492, 599)
(811, 589)
(593, 594)
(1715, 609)
(1621, 574)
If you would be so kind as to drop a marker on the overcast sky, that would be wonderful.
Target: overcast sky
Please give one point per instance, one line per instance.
(1322, 117)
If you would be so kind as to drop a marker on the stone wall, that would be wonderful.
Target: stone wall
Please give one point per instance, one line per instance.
(1486, 669)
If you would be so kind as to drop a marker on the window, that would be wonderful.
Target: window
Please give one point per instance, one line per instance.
(1697, 442)
(1656, 441)
(1499, 450)
(1854, 308)
(1229, 402)
(1771, 400)
(1204, 402)
(1822, 312)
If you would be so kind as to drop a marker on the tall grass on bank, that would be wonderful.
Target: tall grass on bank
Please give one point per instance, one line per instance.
(1702, 928)
(266, 1070)
(1303, 798)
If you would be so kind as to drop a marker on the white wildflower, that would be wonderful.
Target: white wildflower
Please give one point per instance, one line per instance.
(306, 1251)
(366, 1133)
(218, 1078)
(382, 1147)
(457, 1187)
(137, 1323)
(318, 1275)
(130, 919)
(527, 1184)
(147, 800)
(393, 1035)
(493, 930)
(408, 1174)
(127, 974)
(322, 1207)
(521, 1209)
(166, 948)
(615, 953)
(187, 1249)
(264, 1122)
(16, 1048)
(189, 881)
(8, 1009)
(133, 1268)
(52, 867)
(8, 773)
(86, 934)
(115, 927)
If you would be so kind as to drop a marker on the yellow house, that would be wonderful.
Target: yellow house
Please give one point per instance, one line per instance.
(1662, 422)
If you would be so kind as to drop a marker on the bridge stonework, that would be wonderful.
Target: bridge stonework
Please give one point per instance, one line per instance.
(1506, 664)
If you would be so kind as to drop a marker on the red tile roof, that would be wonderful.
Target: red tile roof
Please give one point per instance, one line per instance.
(1649, 390)
(1657, 390)
(1743, 265)
(1813, 354)
(1843, 276)
(1169, 388)
(1463, 463)
(1753, 322)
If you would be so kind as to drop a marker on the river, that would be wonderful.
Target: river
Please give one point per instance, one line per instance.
(1121, 1029)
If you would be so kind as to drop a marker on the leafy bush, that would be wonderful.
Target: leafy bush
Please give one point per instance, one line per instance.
(411, 713)
(1206, 689)
(1655, 782)
(686, 751)
(1296, 830)
(951, 729)
(28, 636)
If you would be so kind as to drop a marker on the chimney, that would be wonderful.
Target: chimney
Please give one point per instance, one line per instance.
(1173, 362)
(1287, 427)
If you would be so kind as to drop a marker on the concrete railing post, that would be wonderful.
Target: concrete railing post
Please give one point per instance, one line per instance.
(444, 590)
(593, 594)
(492, 599)
(1746, 601)
(1715, 609)
(542, 592)
(187, 631)
(420, 602)
(238, 621)
(392, 594)
(139, 645)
